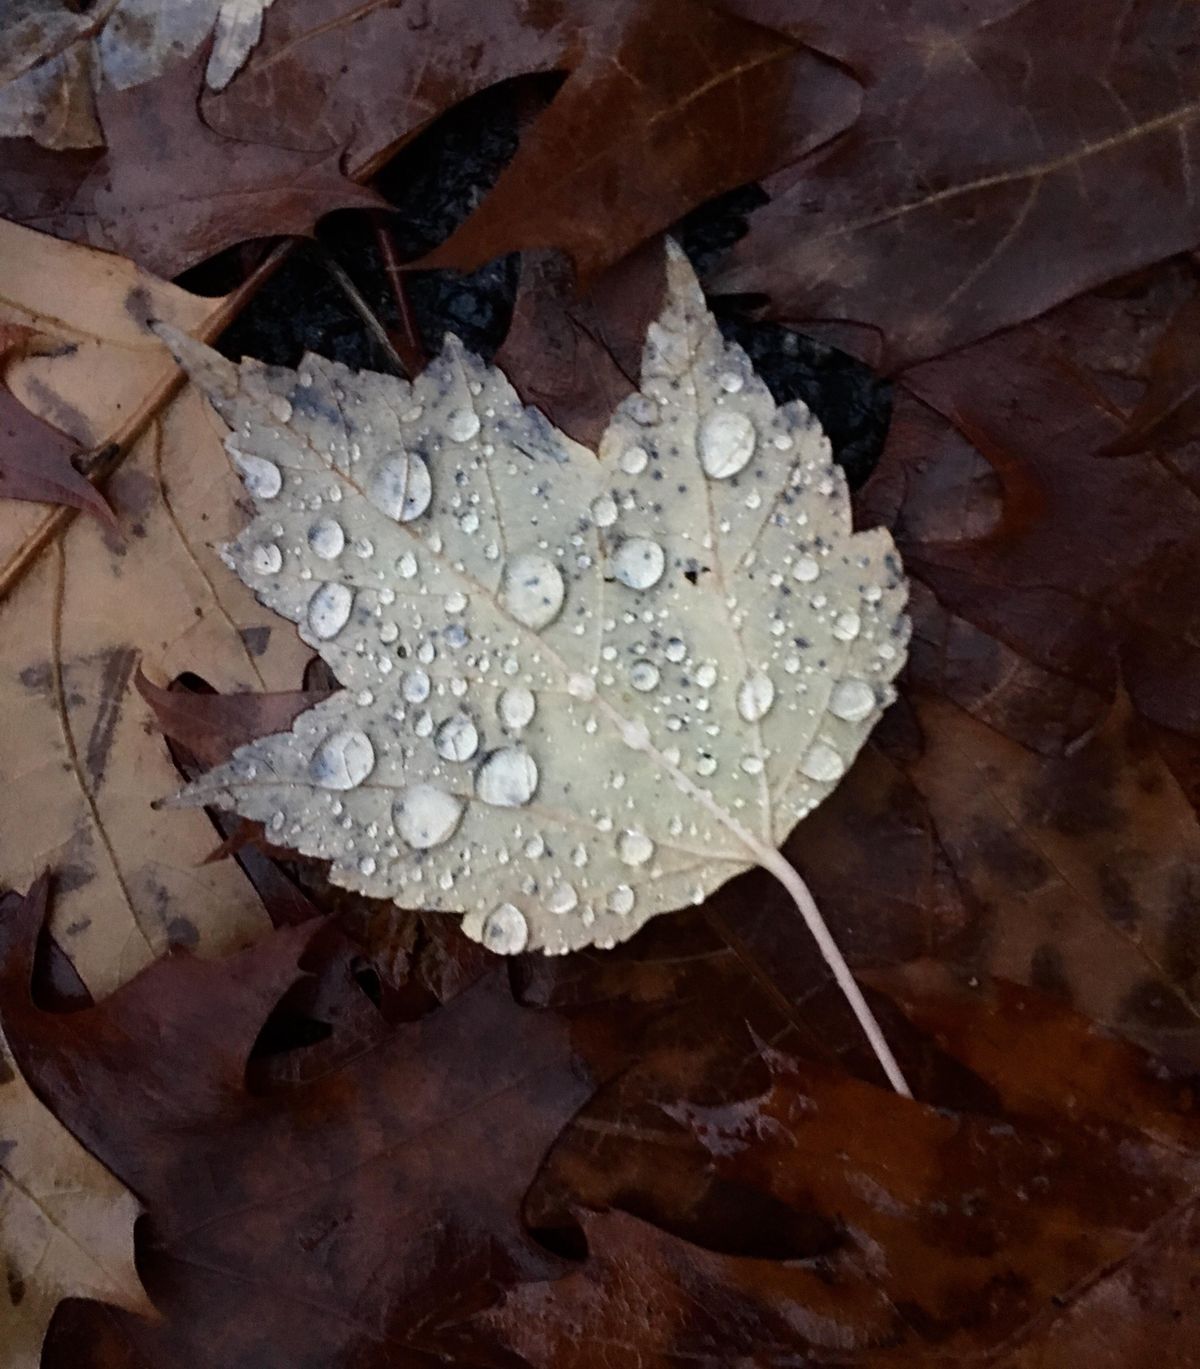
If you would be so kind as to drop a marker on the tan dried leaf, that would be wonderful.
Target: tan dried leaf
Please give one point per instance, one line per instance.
(579, 693)
(52, 58)
(80, 753)
(66, 1224)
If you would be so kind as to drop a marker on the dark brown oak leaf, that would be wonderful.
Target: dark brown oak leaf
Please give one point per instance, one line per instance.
(308, 1217)
(1007, 158)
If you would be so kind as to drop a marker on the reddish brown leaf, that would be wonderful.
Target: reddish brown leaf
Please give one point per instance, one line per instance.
(576, 355)
(35, 457)
(213, 726)
(671, 104)
(1007, 158)
(357, 1212)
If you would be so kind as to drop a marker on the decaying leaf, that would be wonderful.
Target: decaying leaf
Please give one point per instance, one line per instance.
(53, 58)
(78, 749)
(66, 1224)
(578, 693)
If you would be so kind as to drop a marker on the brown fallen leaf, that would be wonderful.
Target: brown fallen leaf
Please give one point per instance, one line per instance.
(671, 104)
(82, 762)
(362, 1210)
(66, 1224)
(35, 458)
(1006, 159)
(1046, 1158)
(576, 355)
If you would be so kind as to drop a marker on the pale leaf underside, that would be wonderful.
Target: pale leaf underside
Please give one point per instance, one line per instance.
(578, 692)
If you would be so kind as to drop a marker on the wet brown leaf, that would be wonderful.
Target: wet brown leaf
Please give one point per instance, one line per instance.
(1007, 158)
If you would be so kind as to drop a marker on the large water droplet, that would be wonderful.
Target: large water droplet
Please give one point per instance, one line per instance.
(847, 626)
(532, 590)
(462, 425)
(621, 900)
(329, 609)
(727, 441)
(457, 738)
(327, 539)
(401, 487)
(416, 686)
(604, 511)
(426, 816)
(516, 707)
(852, 700)
(706, 676)
(644, 676)
(505, 930)
(639, 563)
(266, 558)
(343, 760)
(823, 764)
(508, 778)
(755, 697)
(261, 477)
(634, 848)
(562, 898)
(634, 459)
(806, 569)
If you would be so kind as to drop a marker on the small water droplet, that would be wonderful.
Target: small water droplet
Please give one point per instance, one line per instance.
(329, 609)
(462, 425)
(508, 778)
(706, 676)
(343, 760)
(706, 764)
(726, 442)
(847, 626)
(634, 848)
(644, 676)
(416, 686)
(457, 738)
(562, 898)
(755, 697)
(326, 538)
(516, 707)
(806, 569)
(401, 487)
(535, 847)
(505, 930)
(469, 522)
(426, 816)
(406, 566)
(675, 650)
(636, 735)
(581, 685)
(730, 381)
(639, 563)
(752, 765)
(456, 601)
(532, 590)
(634, 459)
(367, 866)
(604, 511)
(823, 764)
(266, 558)
(621, 900)
(852, 700)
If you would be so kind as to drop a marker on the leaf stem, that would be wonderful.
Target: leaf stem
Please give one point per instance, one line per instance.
(789, 877)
